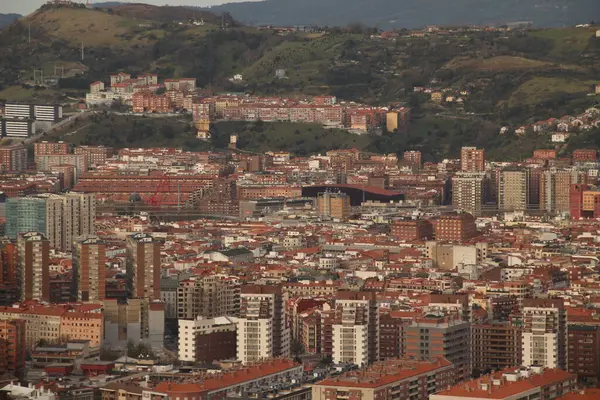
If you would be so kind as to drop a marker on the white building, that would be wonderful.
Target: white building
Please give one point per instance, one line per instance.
(190, 329)
(355, 333)
(544, 334)
(16, 391)
(262, 331)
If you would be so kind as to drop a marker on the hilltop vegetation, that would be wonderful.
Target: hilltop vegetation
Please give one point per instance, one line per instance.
(511, 77)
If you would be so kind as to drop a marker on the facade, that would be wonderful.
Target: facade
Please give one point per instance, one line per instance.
(418, 229)
(46, 161)
(61, 218)
(262, 331)
(468, 192)
(333, 205)
(208, 297)
(96, 155)
(406, 379)
(585, 155)
(455, 227)
(448, 337)
(513, 190)
(9, 262)
(13, 349)
(544, 333)
(18, 128)
(355, 328)
(413, 158)
(143, 266)
(472, 159)
(513, 384)
(554, 190)
(45, 148)
(583, 353)
(89, 269)
(13, 158)
(496, 346)
(34, 273)
(207, 339)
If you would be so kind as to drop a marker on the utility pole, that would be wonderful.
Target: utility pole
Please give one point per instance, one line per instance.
(82, 56)
(29, 32)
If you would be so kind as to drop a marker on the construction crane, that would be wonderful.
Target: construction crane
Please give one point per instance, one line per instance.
(163, 188)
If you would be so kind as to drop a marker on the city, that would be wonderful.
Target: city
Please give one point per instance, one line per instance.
(232, 225)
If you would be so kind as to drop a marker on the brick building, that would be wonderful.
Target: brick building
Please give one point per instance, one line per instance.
(583, 352)
(472, 159)
(13, 349)
(455, 227)
(409, 230)
(13, 158)
(496, 346)
(585, 155)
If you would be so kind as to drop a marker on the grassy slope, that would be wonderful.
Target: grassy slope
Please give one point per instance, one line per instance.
(568, 42)
(76, 25)
(539, 89)
(128, 131)
(507, 63)
(300, 139)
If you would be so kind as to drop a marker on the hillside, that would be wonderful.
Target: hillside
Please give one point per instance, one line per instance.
(409, 13)
(509, 77)
(7, 19)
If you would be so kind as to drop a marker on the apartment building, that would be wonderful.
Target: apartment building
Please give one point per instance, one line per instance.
(208, 297)
(455, 227)
(45, 162)
(585, 155)
(89, 269)
(391, 335)
(544, 333)
(513, 384)
(414, 229)
(46, 322)
(399, 378)
(18, 128)
(235, 382)
(34, 273)
(583, 352)
(143, 266)
(61, 218)
(151, 103)
(468, 192)
(13, 349)
(472, 159)
(413, 158)
(334, 205)
(441, 336)
(133, 321)
(496, 346)
(356, 328)
(95, 155)
(45, 148)
(513, 190)
(207, 339)
(262, 331)
(9, 264)
(13, 158)
(269, 191)
(555, 189)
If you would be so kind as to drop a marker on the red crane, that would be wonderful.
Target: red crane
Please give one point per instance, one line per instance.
(163, 188)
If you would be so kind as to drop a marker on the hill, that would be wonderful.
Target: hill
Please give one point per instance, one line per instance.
(7, 19)
(408, 13)
(510, 77)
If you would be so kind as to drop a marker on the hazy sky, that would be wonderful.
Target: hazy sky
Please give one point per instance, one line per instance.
(27, 6)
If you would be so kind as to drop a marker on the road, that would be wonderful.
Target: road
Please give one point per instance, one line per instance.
(58, 125)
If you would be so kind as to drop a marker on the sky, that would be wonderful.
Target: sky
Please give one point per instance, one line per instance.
(26, 6)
